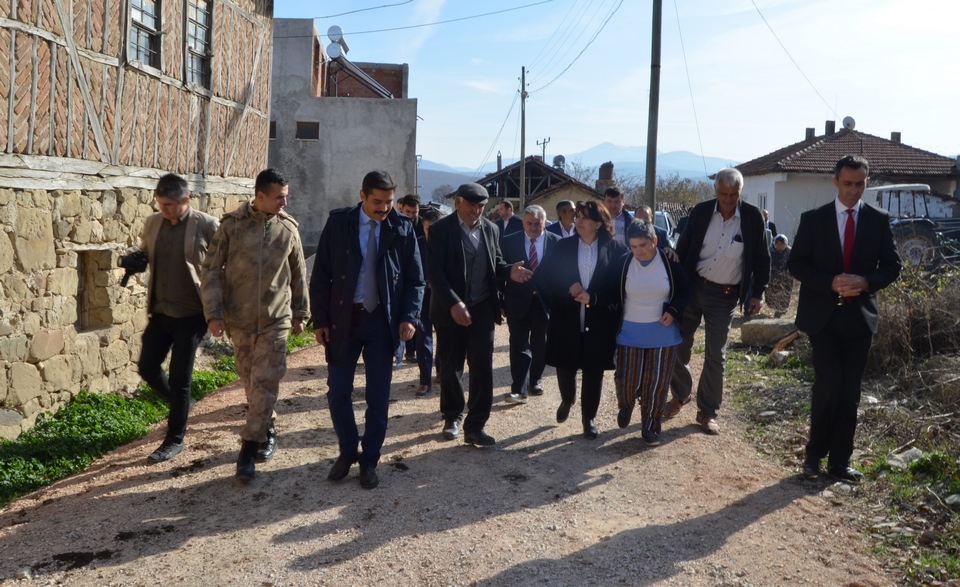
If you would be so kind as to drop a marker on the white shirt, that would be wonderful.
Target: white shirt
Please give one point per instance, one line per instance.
(564, 233)
(842, 218)
(620, 223)
(721, 255)
(647, 289)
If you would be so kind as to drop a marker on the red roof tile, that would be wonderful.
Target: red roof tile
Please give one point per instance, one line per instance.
(820, 154)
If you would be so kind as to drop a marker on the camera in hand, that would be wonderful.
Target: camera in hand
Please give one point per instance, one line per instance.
(134, 262)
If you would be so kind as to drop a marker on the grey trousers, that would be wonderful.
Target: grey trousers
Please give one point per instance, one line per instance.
(715, 309)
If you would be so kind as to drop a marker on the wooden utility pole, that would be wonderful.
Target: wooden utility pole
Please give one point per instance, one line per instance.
(544, 145)
(650, 181)
(523, 134)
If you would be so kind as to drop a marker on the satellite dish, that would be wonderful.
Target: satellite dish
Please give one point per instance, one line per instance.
(334, 50)
(335, 33)
(559, 161)
(849, 123)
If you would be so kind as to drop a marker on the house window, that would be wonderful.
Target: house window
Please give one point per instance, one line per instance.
(273, 129)
(198, 42)
(145, 32)
(308, 131)
(762, 201)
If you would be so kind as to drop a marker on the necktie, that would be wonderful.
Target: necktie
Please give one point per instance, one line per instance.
(533, 255)
(849, 235)
(370, 270)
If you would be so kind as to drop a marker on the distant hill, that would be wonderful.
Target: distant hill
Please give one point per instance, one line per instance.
(430, 179)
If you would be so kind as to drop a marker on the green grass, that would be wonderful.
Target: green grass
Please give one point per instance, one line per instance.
(302, 340)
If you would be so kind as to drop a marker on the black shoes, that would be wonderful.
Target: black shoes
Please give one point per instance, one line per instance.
(451, 429)
(848, 474)
(245, 462)
(479, 438)
(536, 388)
(650, 437)
(515, 399)
(368, 477)
(810, 469)
(266, 449)
(341, 468)
(590, 430)
(563, 412)
(624, 415)
(167, 451)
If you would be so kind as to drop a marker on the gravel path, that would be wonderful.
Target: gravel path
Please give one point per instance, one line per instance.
(546, 506)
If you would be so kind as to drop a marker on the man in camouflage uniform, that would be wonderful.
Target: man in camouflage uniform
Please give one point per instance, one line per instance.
(255, 290)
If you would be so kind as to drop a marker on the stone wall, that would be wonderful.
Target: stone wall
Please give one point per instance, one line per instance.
(65, 322)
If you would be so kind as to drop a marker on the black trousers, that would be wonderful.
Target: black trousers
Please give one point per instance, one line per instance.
(528, 347)
(474, 344)
(839, 359)
(180, 337)
(590, 386)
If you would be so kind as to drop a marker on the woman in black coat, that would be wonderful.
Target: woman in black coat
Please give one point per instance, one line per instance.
(583, 281)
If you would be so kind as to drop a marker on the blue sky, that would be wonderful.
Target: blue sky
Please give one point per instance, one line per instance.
(893, 65)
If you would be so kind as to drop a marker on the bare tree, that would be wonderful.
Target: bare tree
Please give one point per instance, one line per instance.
(580, 172)
(440, 191)
(670, 189)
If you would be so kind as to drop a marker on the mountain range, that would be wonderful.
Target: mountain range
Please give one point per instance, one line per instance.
(627, 161)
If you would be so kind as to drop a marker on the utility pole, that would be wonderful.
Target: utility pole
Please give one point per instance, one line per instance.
(544, 145)
(523, 134)
(651, 179)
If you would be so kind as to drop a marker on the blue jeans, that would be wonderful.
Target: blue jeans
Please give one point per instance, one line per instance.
(424, 340)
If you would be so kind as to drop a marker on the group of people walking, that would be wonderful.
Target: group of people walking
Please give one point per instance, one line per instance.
(598, 290)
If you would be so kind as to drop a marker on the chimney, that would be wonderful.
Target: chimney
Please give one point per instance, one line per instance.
(810, 131)
(499, 161)
(895, 137)
(831, 127)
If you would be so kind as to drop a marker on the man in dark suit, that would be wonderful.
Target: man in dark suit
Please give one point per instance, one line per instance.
(525, 308)
(613, 200)
(771, 226)
(564, 226)
(844, 253)
(409, 206)
(366, 292)
(466, 265)
(725, 253)
(508, 223)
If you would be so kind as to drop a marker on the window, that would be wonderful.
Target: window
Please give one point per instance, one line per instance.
(273, 129)
(198, 42)
(145, 32)
(762, 201)
(308, 131)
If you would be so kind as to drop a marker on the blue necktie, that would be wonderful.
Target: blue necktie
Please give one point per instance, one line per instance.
(370, 270)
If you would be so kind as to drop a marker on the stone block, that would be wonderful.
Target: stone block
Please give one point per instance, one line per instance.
(82, 229)
(30, 323)
(57, 372)
(8, 215)
(6, 196)
(31, 410)
(145, 211)
(10, 423)
(766, 331)
(68, 204)
(46, 344)
(6, 328)
(67, 259)
(25, 384)
(34, 240)
(115, 356)
(14, 348)
(87, 350)
(112, 230)
(129, 210)
(15, 288)
(108, 335)
(99, 384)
(7, 253)
(123, 313)
(108, 203)
(41, 199)
(61, 229)
(96, 231)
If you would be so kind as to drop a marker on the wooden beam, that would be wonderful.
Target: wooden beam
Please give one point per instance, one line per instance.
(34, 77)
(13, 86)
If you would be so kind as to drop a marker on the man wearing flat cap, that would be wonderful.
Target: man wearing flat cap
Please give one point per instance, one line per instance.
(464, 266)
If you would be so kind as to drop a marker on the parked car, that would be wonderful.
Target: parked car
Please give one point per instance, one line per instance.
(665, 221)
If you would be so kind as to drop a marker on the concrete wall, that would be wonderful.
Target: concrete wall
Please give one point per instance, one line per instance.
(357, 135)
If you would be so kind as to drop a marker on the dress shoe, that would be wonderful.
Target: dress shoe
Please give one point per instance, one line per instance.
(708, 424)
(368, 477)
(451, 429)
(246, 469)
(651, 438)
(341, 468)
(536, 388)
(410, 358)
(673, 407)
(423, 390)
(810, 469)
(590, 430)
(563, 412)
(515, 399)
(167, 451)
(267, 448)
(848, 474)
(624, 415)
(478, 438)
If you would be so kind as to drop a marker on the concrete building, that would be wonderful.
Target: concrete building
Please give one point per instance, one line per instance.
(99, 100)
(796, 178)
(329, 128)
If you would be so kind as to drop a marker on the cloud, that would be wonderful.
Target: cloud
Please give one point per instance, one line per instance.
(490, 87)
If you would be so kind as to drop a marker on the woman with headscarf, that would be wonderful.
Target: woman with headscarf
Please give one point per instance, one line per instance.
(781, 282)
(582, 278)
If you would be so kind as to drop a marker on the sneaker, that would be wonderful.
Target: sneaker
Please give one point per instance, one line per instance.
(515, 399)
(651, 438)
(708, 424)
(167, 451)
(673, 407)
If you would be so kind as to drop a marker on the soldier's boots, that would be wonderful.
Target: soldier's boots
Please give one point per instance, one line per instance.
(245, 462)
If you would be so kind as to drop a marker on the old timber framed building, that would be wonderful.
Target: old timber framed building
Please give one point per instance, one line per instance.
(98, 99)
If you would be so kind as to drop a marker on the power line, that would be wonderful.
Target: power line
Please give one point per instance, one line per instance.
(497, 138)
(416, 26)
(363, 10)
(610, 16)
(558, 57)
(791, 57)
(696, 121)
(547, 44)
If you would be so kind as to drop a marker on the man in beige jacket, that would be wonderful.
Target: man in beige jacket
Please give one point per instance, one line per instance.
(254, 287)
(175, 241)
